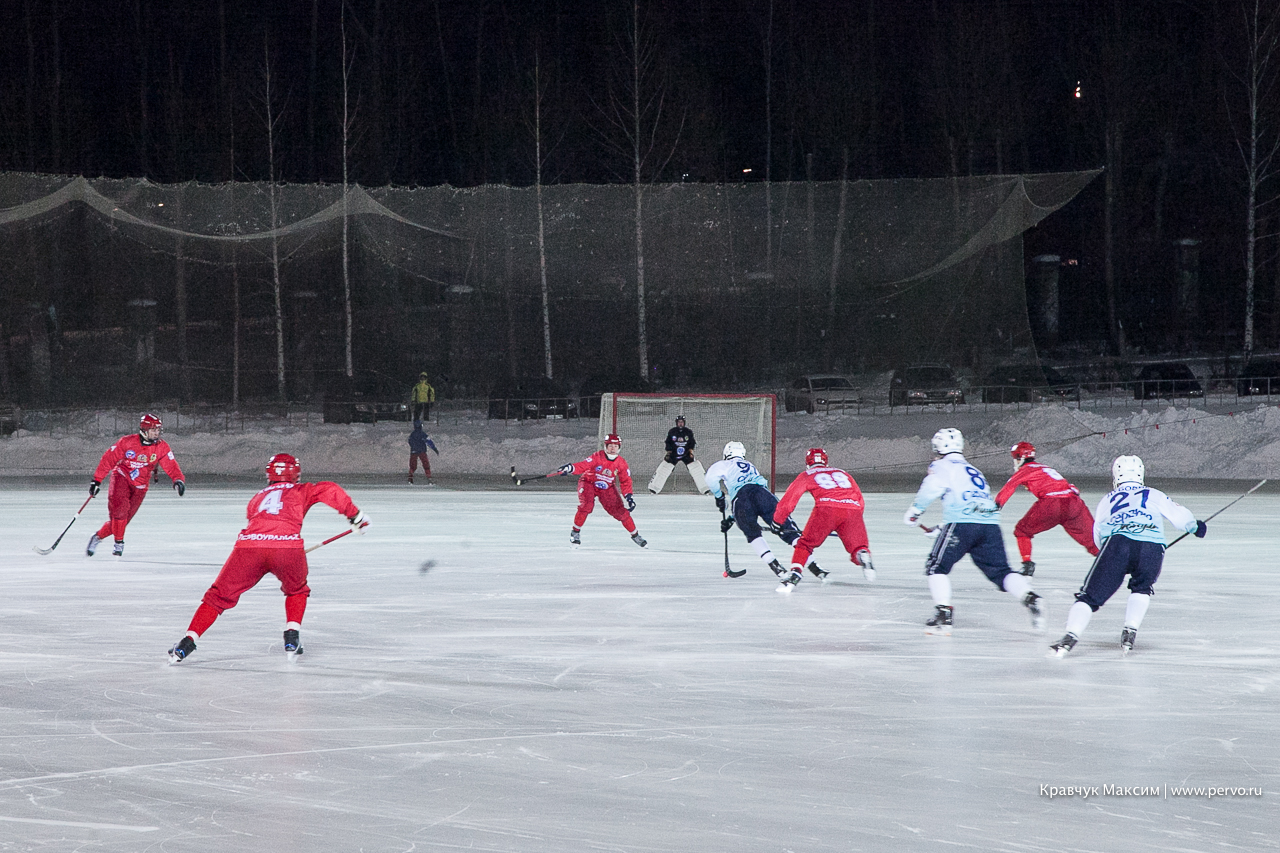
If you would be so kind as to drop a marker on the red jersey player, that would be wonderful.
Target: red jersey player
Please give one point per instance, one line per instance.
(271, 543)
(131, 462)
(1057, 502)
(837, 506)
(603, 473)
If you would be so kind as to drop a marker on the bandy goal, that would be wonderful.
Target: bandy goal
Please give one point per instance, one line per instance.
(642, 422)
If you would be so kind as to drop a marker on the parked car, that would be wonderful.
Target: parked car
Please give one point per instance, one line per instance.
(365, 399)
(1025, 383)
(921, 384)
(816, 391)
(526, 399)
(1167, 379)
(1259, 377)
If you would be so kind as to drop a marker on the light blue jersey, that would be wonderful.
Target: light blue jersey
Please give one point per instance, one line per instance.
(736, 473)
(1135, 511)
(963, 490)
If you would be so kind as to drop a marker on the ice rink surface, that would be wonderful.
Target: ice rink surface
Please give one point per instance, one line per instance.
(520, 696)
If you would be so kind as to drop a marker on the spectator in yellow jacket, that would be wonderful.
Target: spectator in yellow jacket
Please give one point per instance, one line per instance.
(421, 398)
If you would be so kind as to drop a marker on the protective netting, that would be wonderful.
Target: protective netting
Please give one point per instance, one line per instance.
(642, 422)
(122, 287)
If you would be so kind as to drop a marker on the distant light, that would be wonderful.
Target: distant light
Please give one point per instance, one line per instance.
(745, 171)
(160, 204)
(1073, 262)
(1078, 89)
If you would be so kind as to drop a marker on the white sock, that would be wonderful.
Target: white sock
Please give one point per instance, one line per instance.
(1136, 609)
(761, 548)
(293, 626)
(1078, 618)
(940, 589)
(193, 635)
(1016, 584)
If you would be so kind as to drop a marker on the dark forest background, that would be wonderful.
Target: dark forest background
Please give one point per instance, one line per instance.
(1169, 97)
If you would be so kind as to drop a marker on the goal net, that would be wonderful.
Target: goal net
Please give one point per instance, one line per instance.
(642, 422)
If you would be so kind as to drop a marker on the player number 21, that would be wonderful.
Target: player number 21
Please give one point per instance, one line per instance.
(836, 480)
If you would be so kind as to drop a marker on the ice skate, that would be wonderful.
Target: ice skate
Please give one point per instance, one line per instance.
(790, 581)
(639, 540)
(1034, 606)
(868, 568)
(117, 550)
(1066, 644)
(1028, 568)
(819, 572)
(1128, 637)
(941, 622)
(411, 479)
(776, 568)
(92, 546)
(575, 539)
(292, 643)
(184, 647)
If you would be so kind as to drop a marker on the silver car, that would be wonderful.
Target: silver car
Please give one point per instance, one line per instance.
(825, 391)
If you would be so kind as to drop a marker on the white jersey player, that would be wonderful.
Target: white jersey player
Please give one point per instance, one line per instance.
(1128, 527)
(743, 492)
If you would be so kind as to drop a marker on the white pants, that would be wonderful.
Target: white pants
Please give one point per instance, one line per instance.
(696, 471)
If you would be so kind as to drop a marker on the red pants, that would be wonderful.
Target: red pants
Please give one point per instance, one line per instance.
(1048, 513)
(847, 524)
(413, 464)
(242, 571)
(123, 502)
(609, 499)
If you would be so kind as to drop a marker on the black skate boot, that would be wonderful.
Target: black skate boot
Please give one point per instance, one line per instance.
(1028, 568)
(1032, 602)
(789, 582)
(639, 540)
(819, 572)
(574, 538)
(777, 569)
(292, 643)
(92, 546)
(1128, 637)
(184, 647)
(868, 569)
(1066, 644)
(117, 550)
(941, 622)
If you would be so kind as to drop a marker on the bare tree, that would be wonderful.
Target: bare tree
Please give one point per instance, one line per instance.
(347, 118)
(273, 118)
(1257, 135)
(638, 127)
(539, 91)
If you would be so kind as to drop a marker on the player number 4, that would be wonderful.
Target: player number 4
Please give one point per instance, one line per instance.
(272, 503)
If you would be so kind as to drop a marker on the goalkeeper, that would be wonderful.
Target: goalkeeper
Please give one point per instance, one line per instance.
(680, 444)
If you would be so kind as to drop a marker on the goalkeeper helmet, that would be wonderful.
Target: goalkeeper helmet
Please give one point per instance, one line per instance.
(1128, 469)
(679, 420)
(815, 457)
(735, 450)
(283, 468)
(1022, 452)
(946, 441)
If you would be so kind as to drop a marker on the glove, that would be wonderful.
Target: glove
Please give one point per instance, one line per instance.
(359, 522)
(725, 524)
(1201, 529)
(720, 502)
(566, 468)
(180, 487)
(94, 488)
(631, 503)
(912, 516)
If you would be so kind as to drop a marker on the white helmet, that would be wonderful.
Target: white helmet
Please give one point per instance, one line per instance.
(947, 441)
(1128, 469)
(735, 450)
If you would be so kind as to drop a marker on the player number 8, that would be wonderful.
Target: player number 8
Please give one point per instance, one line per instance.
(835, 480)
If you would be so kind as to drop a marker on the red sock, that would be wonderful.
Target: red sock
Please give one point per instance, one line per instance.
(205, 616)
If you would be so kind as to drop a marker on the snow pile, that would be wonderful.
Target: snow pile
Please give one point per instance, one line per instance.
(1177, 442)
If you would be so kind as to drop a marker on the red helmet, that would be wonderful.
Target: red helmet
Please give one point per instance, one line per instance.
(1022, 451)
(149, 421)
(815, 456)
(613, 438)
(283, 468)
